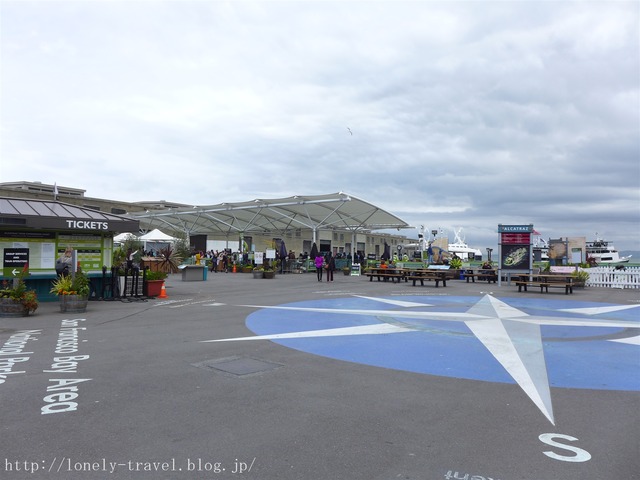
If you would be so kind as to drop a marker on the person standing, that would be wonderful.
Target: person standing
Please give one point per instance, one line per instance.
(319, 262)
(64, 263)
(214, 261)
(331, 266)
(130, 258)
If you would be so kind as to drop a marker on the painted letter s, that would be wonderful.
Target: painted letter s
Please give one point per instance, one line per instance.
(580, 454)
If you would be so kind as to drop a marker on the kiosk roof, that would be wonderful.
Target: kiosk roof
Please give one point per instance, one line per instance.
(43, 214)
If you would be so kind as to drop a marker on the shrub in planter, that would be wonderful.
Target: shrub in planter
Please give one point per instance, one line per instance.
(153, 283)
(580, 278)
(73, 291)
(455, 263)
(15, 299)
(269, 273)
(258, 272)
(154, 276)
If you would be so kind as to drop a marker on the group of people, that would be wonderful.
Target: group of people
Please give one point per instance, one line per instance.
(327, 263)
(219, 258)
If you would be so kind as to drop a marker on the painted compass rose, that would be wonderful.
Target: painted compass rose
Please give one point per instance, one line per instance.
(532, 342)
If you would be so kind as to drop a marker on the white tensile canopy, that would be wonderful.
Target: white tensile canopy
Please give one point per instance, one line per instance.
(275, 216)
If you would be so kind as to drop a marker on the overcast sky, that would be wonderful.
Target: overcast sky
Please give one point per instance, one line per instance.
(447, 114)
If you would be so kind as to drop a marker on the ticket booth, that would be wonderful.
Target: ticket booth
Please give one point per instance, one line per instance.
(38, 231)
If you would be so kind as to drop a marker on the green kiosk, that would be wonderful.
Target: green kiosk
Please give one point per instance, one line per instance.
(36, 232)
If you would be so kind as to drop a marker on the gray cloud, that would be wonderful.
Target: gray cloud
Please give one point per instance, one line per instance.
(463, 114)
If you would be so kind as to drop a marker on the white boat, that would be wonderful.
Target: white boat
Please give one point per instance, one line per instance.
(540, 245)
(602, 251)
(461, 249)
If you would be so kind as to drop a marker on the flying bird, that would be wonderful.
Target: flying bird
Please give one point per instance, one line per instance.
(350, 131)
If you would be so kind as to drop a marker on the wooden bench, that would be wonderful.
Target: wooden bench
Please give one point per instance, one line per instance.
(523, 284)
(384, 275)
(560, 282)
(544, 283)
(422, 276)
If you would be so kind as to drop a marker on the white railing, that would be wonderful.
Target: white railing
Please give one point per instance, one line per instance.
(611, 278)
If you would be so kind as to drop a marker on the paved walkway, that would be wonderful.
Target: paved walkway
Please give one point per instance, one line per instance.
(351, 380)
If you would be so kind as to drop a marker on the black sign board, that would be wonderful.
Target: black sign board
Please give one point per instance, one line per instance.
(14, 260)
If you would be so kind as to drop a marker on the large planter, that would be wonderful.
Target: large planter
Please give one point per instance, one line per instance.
(154, 288)
(258, 274)
(12, 308)
(73, 303)
(271, 274)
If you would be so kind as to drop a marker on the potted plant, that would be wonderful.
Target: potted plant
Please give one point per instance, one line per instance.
(455, 264)
(258, 272)
(16, 300)
(154, 282)
(73, 292)
(169, 260)
(269, 273)
(580, 278)
(346, 270)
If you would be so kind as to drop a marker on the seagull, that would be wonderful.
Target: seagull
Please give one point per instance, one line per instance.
(350, 131)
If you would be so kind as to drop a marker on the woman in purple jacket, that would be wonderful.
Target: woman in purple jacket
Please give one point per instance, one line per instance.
(319, 261)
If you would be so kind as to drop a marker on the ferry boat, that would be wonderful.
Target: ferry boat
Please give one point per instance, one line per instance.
(461, 249)
(602, 251)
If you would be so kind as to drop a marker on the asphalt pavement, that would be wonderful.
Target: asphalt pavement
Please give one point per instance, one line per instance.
(351, 379)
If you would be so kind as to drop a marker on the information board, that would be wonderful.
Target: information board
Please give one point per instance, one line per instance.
(14, 260)
(93, 250)
(515, 248)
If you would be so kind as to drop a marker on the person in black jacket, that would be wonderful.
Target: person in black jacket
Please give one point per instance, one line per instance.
(331, 266)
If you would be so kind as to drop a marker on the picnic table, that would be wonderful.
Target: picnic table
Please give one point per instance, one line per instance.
(385, 274)
(422, 274)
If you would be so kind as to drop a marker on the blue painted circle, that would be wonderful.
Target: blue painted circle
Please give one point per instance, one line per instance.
(576, 357)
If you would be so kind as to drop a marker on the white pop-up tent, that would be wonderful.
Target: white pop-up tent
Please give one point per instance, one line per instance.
(156, 235)
(122, 237)
(156, 240)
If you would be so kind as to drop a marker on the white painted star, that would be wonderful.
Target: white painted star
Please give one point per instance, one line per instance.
(512, 336)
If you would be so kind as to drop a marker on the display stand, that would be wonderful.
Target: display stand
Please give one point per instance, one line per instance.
(194, 273)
